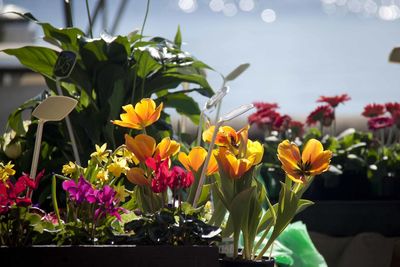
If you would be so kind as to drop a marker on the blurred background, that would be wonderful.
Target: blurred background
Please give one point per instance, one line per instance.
(297, 50)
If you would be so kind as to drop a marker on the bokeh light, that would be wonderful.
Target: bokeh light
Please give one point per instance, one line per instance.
(246, 5)
(230, 9)
(187, 6)
(268, 15)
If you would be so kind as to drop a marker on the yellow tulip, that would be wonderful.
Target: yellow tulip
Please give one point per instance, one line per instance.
(256, 150)
(144, 114)
(313, 161)
(137, 176)
(231, 165)
(195, 159)
(142, 145)
(167, 148)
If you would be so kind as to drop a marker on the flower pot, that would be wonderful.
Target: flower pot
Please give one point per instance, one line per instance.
(229, 262)
(133, 256)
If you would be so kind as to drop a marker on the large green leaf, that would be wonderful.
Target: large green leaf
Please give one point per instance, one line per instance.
(184, 105)
(38, 59)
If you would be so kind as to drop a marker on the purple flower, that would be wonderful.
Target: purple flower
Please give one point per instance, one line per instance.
(81, 191)
(107, 203)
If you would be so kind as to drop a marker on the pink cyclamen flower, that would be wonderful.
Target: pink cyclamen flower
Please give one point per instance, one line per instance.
(180, 179)
(81, 191)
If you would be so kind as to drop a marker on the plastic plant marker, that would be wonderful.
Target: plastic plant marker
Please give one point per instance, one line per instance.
(212, 102)
(229, 116)
(62, 69)
(53, 108)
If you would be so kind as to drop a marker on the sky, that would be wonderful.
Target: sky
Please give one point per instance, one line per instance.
(311, 48)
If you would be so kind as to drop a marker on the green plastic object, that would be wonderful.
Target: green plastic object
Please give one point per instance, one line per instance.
(295, 248)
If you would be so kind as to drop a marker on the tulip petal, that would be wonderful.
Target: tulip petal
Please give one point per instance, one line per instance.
(142, 146)
(321, 163)
(311, 151)
(136, 176)
(290, 154)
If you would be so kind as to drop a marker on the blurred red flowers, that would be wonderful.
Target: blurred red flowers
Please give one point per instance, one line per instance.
(377, 123)
(373, 110)
(334, 101)
(323, 114)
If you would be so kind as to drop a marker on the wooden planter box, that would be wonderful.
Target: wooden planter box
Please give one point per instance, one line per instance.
(349, 218)
(132, 256)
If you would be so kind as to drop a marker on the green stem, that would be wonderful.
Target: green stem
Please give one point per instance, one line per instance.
(90, 19)
(54, 198)
(235, 244)
(145, 19)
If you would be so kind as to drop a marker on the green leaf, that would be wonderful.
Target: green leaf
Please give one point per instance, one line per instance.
(178, 38)
(145, 63)
(38, 59)
(184, 105)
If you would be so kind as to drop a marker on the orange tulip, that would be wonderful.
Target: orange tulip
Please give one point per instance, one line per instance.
(167, 148)
(144, 114)
(231, 165)
(195, 160)
(142, 146)
(137, 176)
(314, 160)
(226, 136)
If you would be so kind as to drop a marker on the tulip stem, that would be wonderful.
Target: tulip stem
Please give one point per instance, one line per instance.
(204, 170)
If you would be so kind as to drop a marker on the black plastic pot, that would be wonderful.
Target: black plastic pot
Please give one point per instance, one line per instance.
(229, 262)
(132, 256)
(349, 218)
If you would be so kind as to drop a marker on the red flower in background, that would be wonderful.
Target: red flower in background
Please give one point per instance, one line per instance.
(334, 101)
(281, 123)
(323, 114)
(373, 110)
(377, 123)
(297, 128)
(265, 115)
(392, 107)
(265, 106)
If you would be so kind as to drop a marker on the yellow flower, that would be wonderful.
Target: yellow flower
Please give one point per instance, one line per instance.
(144, 114)
(137, 176)
(6, 171)
(226, 137)
(313, 161)
(118, 166)
(101, 154)
(195, 160)
(121, 194)
(167, 148)
(102, 175)
(69, 169)
(254, 149)
(142, 145)
(128, 155)
(231, 165)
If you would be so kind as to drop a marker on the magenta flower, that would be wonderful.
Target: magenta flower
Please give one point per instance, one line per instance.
(81, 191)
(107, 203)
(180, 179)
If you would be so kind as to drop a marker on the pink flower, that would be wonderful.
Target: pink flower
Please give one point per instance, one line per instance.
(373, 110)
(377, 123)
(282, 123)
(334, 101)
(81, 191)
